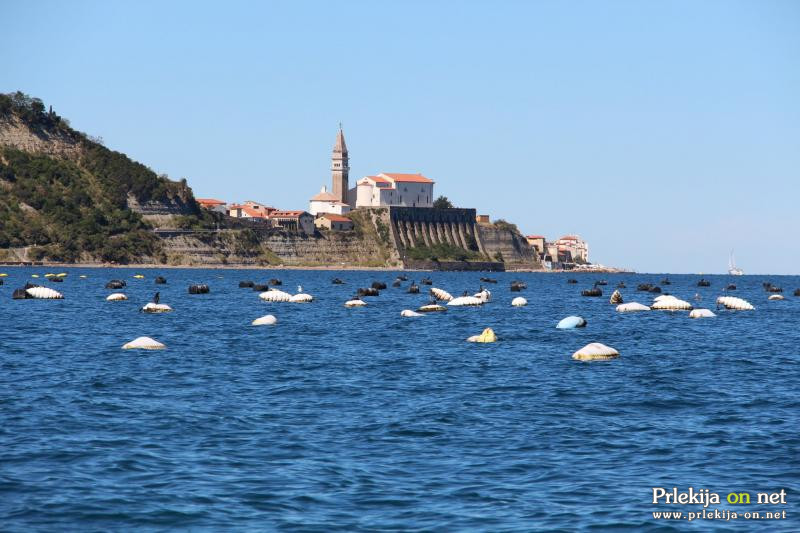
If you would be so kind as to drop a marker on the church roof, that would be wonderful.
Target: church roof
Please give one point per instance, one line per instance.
(340, 146)
(414, 178)
(324, 197)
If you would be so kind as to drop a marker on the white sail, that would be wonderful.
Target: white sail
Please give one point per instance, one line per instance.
(732, 269)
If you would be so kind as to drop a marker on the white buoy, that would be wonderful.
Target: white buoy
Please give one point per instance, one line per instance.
(671, 304)
(266, 320)
(143, 343)
(116, 297)
(431, 308)
(519, 301)
(301, 298)
(442, 295)
(775, 297)
(44, 293)
(355, 303)
(468, 301)
(632, 307)
(275, 296)
(734, 303)
(485, 295)
(701, 313)
(595, 352)
(409, 313)
(571, 322)
(156, 308)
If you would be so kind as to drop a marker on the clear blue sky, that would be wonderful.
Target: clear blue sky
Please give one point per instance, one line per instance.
(665, 133)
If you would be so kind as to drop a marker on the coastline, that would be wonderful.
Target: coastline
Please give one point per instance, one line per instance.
(294, 267)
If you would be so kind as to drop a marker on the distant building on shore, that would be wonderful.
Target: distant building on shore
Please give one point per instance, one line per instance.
(577, 248)
(385, 189)
(564, 253)
(212, 204)
(537, 241)
(326, 202)
(250, 209)
(293, 221)
(333, 222)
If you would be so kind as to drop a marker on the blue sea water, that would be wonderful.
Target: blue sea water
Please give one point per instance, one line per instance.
(344, 419)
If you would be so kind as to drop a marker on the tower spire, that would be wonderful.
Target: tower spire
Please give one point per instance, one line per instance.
(340, 167)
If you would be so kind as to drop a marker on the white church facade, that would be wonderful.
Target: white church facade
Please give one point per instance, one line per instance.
(409, 190)
(385, 189)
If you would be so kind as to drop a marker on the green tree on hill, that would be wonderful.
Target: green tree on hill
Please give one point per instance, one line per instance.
(442, 203)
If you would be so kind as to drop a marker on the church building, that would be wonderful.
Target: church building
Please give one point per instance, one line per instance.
(384, 189)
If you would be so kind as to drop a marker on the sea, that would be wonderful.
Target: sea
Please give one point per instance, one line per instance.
(358, 419)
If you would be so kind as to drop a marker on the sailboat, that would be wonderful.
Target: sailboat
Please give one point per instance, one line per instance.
(733, 270)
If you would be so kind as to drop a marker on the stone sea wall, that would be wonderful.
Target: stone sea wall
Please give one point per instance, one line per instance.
(381, 238)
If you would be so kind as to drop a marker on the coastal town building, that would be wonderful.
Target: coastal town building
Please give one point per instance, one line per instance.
(212, 204)
(330, 221)
(573, 247)
(250, 209)
(326, 202)
(482, 219)
(536, 241)
(381, 190)
(393, 189)
(293, 221)
(563, 253)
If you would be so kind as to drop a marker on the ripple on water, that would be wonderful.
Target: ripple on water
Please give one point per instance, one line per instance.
(341, 419)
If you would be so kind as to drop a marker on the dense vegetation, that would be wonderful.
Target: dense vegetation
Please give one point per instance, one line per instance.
(442, 203)
(72, 209)
(442, 252)
(503, 225)
(55, 205)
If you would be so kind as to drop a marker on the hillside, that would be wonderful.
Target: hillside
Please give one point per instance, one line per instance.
(66, 197)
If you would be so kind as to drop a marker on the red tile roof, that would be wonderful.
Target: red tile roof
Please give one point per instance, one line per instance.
(254, 213)
(413, 178)
(535, 237)
(209, 201)
(285, 214)
(335, 218)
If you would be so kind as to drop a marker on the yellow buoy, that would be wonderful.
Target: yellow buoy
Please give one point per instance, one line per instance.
(487, 336)
(3, 275)
(61, 275)
(49, 275)
(34, 275)
(138, 276)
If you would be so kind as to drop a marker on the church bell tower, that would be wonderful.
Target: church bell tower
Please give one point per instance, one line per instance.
(340, 167)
